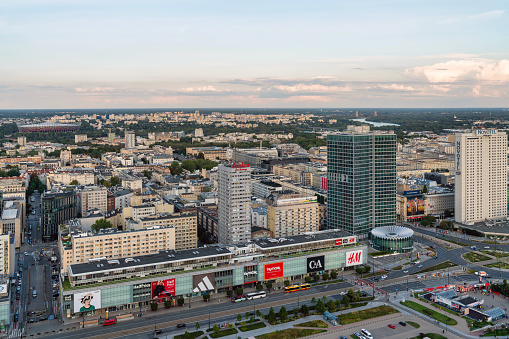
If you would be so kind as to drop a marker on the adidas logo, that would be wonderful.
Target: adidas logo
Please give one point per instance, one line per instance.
(204, 285)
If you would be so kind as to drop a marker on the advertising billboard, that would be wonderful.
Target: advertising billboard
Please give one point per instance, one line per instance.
(316, 264)
(87, 301)
(339, 242)
(163, 288)
(3, 289)
(354, 258)
(203, 282)
(415, 205)
(273, 271)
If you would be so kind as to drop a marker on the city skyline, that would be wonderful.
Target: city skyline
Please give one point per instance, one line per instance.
(60, 54)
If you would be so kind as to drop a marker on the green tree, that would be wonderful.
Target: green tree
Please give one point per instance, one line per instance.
(286, 282)
(268, 285)
(229, 293)
(308, 279)
(346, 301)
(333, 275)
(283, 313)
(101, 224)
(428, 220)
(189, 165)
(425, 189)
(313, 300)
(154, 306)
(147, 174)
(206, 297)
(247, 315)
(216, 329)
(304, 309)
(197, 326)
(239, 291)
(325, 276)
(167, 304)
(180, 301)
(316, 277)
(447, 214)
(259, 287)
(258, 313)
(320, 306)
(239, 318)
(201, 155)
(271, 317)
(331, 305)
(114, 181)
(74, 182)
(14, 172)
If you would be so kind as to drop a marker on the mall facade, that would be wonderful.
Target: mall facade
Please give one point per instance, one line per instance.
(118, 284)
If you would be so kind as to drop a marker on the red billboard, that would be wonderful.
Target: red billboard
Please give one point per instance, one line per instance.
(163, 288)
(339, 242)
(273, 271)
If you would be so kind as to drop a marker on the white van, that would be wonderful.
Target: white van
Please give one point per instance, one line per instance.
(366, 333)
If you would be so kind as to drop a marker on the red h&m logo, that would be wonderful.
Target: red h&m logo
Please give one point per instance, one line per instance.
(354, 258)
(352, 240)
(339, 242)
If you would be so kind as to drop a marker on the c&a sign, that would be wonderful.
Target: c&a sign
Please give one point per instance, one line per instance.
(316, 264)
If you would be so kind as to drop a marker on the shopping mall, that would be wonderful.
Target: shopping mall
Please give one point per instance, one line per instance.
(111, 285)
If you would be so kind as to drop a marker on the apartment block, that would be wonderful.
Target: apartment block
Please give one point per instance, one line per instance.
(7, 254)
(93, 198)
(14, 219)
(57, 208)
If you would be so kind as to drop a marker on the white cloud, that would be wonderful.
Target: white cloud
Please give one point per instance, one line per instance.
(450, 71)
(488, 15)
(95, 89)
(202, 89)
(397, 87)
(312, 88)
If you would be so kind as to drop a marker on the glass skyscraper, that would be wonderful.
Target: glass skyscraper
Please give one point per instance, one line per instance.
(361, 180)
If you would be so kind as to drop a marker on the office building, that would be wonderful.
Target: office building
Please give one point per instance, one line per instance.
(92, 197)
(234, 209)
(481, 175)
(13, 219)
(290, 214)
(111, 137)
(361, 180)
(130, 140)
(57, 208)
(22, 141)
(7, 254)
(262, 189)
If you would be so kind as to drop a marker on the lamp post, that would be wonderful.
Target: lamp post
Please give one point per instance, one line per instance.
(407, 283)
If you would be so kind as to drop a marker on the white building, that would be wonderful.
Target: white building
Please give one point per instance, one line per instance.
(130, 140)
(481, 175)
(8, 264)
(80, 138)
(234, 209)
(198, 132)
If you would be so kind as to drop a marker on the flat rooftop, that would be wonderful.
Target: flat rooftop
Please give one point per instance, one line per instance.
(301, 239)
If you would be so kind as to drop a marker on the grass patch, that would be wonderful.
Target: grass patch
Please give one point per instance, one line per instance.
(251, 327)
(378, 253)
(475, 257)
(290, 334)
(470, 271)
(429, 312)
(224, 333)
(473, 325)
(313, 323)
(190, 335)
(366, 298)
(397, 268)
(371, 313)
(355, 305)
(496, 253)
(414, 324)
(441, 266)
(495, 265)
(327, 282)
(498, 332)
(431, 336)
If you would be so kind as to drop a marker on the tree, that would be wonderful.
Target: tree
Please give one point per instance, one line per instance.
(271, 317)
(304, 309)
(447, 214)
(201, 155)
(154, 306)
(428, 220)
(229, 293)
(283, 313)
(197, 326)
(189, 165)
(14, 172)
(333, 274)
(114, 181)
(346, 300)
(259, 287)
(101, 224)
(269, 285)
(325, 276)
(239, 291)
(313, 300)
(144, 160)
(258, 313)
(286, 282)
(239, 318)
(74, 182)
(320, 306)
(167, 304)
(331, 305)
(147, 174)
(308, 279)
(316, 277)
(206, 297)
(216, 329)
(180, 301)
(425, 189)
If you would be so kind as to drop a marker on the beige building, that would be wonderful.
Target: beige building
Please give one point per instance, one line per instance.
(80, 138)
(185, 225)
(7, 254)
(66, 177)
(481, 176)
(80, 247)
(289, 214)
(93, 197)
(65, 157)
(14, 186)
(295, 173)
(209, 153)
(13, 219)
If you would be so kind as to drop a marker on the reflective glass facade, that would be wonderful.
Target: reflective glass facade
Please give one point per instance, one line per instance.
(392, 244)
(361, 181)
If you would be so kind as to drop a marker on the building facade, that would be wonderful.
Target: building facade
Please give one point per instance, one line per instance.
(93, 197)
(57, 208)
(481, 176)
(130, 140)
(234, 208)
(7, 254)
(290, 214)
(361, 180)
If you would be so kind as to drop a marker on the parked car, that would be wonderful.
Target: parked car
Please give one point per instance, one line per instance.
(486, 247)
(158, 331)
(392, 326)
(419, 266)
(181, 325)
(402, 323)
(108, 322)
(16, 317)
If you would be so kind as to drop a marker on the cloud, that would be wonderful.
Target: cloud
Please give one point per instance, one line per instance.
(100, 89)
(202, 89)
(311, 88)
(396, 87)
(488, 15)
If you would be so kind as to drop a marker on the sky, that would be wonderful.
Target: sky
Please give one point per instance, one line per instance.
(268, 54)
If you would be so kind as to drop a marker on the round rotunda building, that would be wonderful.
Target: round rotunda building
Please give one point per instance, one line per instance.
(392, 239)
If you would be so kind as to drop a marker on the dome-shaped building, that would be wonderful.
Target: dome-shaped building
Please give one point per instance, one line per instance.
(392, 239)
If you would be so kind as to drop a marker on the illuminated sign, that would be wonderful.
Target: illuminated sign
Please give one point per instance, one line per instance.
(458, 155)
(273, 271)
(485, 131)
(240, 167)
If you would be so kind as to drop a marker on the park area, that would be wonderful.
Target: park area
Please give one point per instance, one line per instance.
(429, 312)
(475, 257)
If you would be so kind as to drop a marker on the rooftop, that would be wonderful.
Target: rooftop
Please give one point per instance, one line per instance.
(301, 239)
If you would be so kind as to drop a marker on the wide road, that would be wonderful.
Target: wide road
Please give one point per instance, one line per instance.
(230, 310)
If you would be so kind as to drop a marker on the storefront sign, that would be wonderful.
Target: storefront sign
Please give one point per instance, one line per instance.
(354, 258)
(316, 264)
(141, 286)
(273, 271)
(240, 167)
(339, 242)
(203, 283)
(163, 288)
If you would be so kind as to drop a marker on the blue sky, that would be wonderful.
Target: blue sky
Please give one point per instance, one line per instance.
(114, 54)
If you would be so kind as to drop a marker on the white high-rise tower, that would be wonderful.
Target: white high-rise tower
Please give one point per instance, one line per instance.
(481, 175)
(130, 140)
(234, 210)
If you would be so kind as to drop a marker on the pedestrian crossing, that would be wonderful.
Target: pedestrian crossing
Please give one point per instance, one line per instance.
(16, 333)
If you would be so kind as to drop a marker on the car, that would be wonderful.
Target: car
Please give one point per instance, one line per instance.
(402, 323)
(432, 246)
(419, 266)
(158, 331)
(358, 335)
(486, 247)
(392, 326)
(17, 296)
(181, 325)
(405, 271)
(435, 257)
(16, 317)
(418, 262)
(473, 248)
(32, 320)
(384, 276)
(108, 322)
(342, 337)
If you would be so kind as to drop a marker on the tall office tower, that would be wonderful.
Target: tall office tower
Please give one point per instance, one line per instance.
(234, 210)
(361, 180)
(481, 176)
(130, 140)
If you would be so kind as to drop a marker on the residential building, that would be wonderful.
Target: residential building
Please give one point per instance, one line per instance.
(481, 175)
(7, 255)
(65, 157)
(262, 189)
(22, 141)
(83, 177)
(208, 220)
(14, 219)
(209, 153)
(130, 140)
(14, 186)
(234, 210)
(80, 138)
(90, 197)
(57, 207)
(361, 180)
(290, 214)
